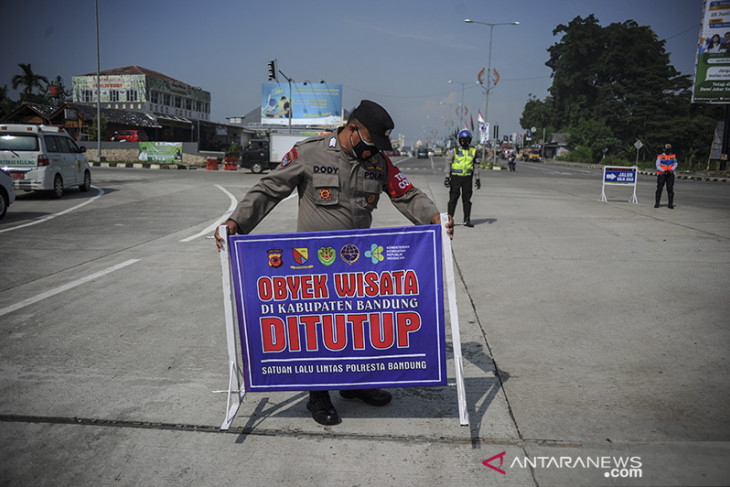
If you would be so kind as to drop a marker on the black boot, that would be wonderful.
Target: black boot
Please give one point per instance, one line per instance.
(468, 223)
(656, 204)
(671, 202)
(322, 410)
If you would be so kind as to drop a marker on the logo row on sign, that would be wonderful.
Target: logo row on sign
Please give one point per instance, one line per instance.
(349, 254)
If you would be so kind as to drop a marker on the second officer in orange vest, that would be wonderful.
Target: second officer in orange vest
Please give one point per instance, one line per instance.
(666, 164)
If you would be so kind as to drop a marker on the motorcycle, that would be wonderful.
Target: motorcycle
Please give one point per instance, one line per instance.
(512, 163)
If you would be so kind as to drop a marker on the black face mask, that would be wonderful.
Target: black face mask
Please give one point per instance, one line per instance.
(361, 147)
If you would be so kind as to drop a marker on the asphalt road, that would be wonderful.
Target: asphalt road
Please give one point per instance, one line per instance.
(592, 332)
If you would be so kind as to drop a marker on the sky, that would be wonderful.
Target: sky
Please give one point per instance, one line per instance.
(399, 53)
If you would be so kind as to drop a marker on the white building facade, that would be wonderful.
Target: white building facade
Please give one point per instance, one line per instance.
(140, 89)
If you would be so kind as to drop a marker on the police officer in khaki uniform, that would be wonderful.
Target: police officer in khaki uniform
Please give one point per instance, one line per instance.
(339, 178)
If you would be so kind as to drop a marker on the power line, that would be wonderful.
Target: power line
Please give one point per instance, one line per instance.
(695, 26)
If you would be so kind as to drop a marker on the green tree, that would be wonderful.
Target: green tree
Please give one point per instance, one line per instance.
(234, 151)
(597, 137)
(537, 113)
(91, 130)
(28, 81)
(7, 105)
(620, 76)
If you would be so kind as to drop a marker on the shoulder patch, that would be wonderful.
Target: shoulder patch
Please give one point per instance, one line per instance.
(289, 157)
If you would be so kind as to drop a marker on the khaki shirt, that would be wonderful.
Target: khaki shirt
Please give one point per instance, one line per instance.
(336, 191)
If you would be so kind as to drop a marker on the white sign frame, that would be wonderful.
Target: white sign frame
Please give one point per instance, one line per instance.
(236, 391)
(633, 169)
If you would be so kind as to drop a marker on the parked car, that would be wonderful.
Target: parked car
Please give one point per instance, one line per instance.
(422, 153)
(7, 193)
(43, 158)
(129, 136)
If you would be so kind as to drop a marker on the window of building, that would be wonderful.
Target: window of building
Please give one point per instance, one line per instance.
(166, 99)
(87, 96)
(113, 95)
(178, 102)
(131, 95)
(188, 104)
(154, 97)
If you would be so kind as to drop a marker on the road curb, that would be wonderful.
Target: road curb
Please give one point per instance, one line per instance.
(692, 177)
(139, 165)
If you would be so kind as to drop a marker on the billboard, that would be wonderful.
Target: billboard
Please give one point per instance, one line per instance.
(340, 310)
(133, 88)
(160, 152)
(712, 71)
(310, 104)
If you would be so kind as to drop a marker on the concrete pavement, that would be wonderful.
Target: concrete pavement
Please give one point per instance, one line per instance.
(594, 339)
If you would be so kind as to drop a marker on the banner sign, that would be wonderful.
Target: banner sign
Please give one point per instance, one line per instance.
(318, 104)
(160, 151)
(712, 76)
(340, 310)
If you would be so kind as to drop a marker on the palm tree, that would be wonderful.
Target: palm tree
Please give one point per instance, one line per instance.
(28, 80)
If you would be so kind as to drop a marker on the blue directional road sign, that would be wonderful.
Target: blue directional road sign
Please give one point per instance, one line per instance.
(620, 175)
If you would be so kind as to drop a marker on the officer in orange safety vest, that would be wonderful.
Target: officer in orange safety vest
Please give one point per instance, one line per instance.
(666, 164)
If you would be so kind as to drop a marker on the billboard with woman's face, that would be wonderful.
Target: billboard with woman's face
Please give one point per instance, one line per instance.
(712, 76)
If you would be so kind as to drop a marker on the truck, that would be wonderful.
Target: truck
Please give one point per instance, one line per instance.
(263, 154)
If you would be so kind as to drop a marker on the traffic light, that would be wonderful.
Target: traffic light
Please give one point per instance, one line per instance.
(272, 70)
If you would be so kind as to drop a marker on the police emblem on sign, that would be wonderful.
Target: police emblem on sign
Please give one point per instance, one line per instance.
(327, 255)
(275, 259)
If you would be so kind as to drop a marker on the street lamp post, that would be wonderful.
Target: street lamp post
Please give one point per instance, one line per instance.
(489, 73)
(461, 107)
(291, 100)
(98, 85)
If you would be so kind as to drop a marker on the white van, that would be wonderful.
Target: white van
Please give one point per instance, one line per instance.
(43, 158)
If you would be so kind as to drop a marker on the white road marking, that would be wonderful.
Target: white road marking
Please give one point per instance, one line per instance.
(65, 287)
(50, 217)
(219, 221)
(211, 228)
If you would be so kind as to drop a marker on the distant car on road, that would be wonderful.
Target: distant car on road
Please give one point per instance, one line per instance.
(422, 153)
(7, 193)
(129, 136)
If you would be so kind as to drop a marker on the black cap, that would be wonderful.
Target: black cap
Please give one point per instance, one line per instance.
(377, 121)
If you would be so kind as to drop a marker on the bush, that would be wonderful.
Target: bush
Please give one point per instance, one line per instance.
(581, 153)
(233, 151)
